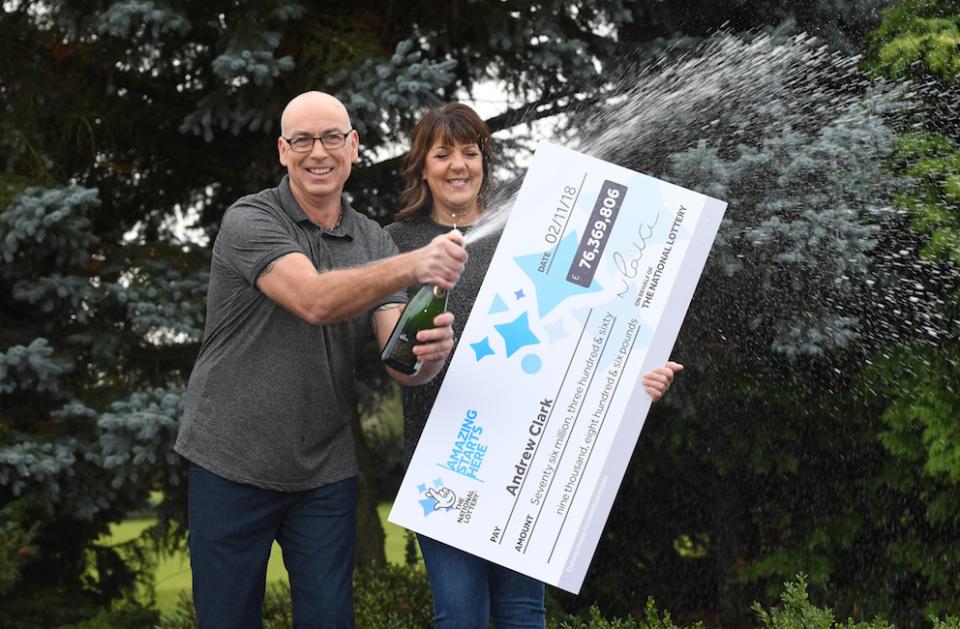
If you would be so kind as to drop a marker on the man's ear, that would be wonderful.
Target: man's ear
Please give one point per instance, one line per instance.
(355, 140)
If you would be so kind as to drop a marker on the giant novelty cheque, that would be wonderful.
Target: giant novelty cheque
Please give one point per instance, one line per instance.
(542, 405)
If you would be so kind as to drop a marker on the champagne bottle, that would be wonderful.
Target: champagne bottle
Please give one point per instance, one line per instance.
(418, 315)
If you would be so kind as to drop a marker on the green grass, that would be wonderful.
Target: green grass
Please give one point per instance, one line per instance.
(173, 572)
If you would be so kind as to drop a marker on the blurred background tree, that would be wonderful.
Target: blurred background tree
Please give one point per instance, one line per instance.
(919, 372)
(127, 127)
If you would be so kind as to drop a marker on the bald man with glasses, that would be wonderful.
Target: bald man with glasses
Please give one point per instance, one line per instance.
(298, 282)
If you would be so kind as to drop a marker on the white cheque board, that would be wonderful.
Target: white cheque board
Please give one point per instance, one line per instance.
(542, 405)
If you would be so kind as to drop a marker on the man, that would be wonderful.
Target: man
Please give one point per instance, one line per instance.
(298, 279)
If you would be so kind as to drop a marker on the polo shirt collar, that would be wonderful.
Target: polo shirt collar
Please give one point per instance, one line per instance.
(347, 226)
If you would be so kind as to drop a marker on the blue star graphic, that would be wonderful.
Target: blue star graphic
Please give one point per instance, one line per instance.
(553, 287)
(428, 505)
(519, 293)
(422, 487)
(482, 348)
(517, 334)
(498, 305)
(556, 331)
(581, 314)
(438, 482)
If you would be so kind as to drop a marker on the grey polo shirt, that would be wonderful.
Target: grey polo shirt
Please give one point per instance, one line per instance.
(270, 396)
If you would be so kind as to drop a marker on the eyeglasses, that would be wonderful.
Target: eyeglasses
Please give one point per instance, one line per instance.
(304, 143)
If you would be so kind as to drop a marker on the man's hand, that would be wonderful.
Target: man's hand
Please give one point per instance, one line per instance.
(441, 262)
(435, 344)
(659, 379)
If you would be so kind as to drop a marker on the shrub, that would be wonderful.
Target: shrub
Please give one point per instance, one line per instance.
(390, 597)
(798, 613)
(125, 616)
(398, 597)
(393, 597)
(595, 620)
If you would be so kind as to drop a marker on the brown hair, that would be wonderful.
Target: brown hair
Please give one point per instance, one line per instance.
(453, 122)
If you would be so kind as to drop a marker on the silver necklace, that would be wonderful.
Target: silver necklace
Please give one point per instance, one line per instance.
(335, 225)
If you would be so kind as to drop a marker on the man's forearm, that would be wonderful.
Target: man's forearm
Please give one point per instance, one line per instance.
(342, 294)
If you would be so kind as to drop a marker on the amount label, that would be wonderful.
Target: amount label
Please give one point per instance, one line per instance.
(596, 233)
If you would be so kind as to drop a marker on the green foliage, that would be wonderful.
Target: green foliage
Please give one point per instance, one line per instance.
(184, 616)
(918, 37)
(932, 160)
(812, 239)
(764, 451)
(48, 223)
(410, 548)
(126, 616)
(594, 620)
(919, 40)
(399, 598)
(798, 613)
(920, 429)
(949, 622)
(405, 83)
(924, 419)
(124, 19)
(382, 427)
(90, 322)
(15, 544)
(652, 618)
(31, 367)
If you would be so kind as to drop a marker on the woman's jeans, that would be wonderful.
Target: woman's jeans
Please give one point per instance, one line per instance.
(469, 591)
(232, 529)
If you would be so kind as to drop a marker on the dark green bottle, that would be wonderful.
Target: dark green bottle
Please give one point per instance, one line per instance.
(418, 315)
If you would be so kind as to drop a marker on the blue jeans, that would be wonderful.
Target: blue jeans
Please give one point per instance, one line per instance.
(232, 529)
(469, 591)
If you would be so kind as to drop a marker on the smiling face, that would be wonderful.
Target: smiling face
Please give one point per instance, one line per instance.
(454, 173)
(317, 177)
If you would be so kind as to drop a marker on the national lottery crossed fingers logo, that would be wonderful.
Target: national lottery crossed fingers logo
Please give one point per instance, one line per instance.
(438, 498)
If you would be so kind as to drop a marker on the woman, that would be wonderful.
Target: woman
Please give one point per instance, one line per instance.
(447, 178)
